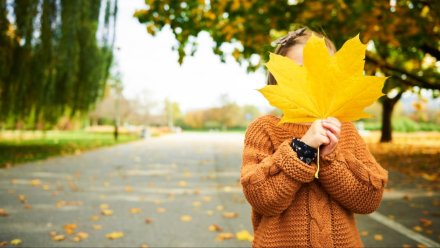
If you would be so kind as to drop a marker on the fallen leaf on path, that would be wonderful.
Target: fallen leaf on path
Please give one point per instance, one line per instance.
(22, 198)
(70, 228)
(114, 235)
(209, 212)
(196, 204)
(244, 235)
(378, 237)
(230, 215)
(135, 210)
(107, 212)
(58, 237)
(224, 236)
(160, 210)
(417, 228)
(3, 212)
(94, 218)
(97, 227)
(15, 242)
(215, 228)
(81, 236)
(220, 207)
(3, 243)
(35, 182)
(182, 183)
(429, 177)
(148, 220)
(185, 218)
(425, 222)
(128, 189)
(144, 246)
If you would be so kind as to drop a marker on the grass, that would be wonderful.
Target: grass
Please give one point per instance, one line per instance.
(25, 146)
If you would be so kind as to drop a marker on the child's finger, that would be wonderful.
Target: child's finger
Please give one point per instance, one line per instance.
(332, 137)
(334, 120)
(331, 126)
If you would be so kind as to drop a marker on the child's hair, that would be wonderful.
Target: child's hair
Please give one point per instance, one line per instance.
(293, 38)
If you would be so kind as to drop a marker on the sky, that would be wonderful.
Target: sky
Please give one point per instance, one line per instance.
(149, 67)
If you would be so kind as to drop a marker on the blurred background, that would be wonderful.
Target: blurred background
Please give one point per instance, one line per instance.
(77, 75)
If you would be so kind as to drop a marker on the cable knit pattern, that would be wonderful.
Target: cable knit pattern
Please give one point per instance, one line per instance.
(290, 208)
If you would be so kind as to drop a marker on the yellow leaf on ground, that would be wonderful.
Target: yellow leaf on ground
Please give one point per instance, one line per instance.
(148, 220)
(244, 235)
(185, 218)
(3, 212)
(106, 212)
(114, 235)
(215, 228)
(160, 210)
(230, 215)
(182, 183)
(135, 210)
(196, 204)
(224, 236)
(59, 237)
(97, 227)
(378, 237)
(70, 228)
(35, 182)
(16, 242)
(128, 189)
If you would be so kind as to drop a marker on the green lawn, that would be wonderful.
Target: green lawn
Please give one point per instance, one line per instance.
(17, 147)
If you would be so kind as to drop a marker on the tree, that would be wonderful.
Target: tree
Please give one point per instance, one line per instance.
(402, 36)
(55, 57)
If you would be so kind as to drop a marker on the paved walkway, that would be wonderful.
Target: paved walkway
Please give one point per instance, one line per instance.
(178, 190)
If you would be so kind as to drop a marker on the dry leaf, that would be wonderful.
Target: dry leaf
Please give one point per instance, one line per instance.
(16, 242)
(35, 182)
(148, 220)
(70, 228)
(3, 212)
(160, 210)
(3, 243)
(58, 237)
(128, 189)
(224, 236)
(106, 212)
(244, 235)
(196, 204)
(378, 237)
(82, 235)
(135, 210)
(417, 228)
(230, 215)
(182, 183)
(114, 235)
(185, 218)
(215, 228)
(97, 227)
(426, 222)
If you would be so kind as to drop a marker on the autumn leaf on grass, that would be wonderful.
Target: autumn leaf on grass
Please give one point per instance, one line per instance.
(70, 228)
(135, 210)
(3, 212)
(230, 215)
(326, 85)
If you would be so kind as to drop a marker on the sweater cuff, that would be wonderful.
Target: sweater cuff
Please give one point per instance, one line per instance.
(287, 160)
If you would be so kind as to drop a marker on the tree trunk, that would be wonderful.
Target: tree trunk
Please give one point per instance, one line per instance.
(387, 112)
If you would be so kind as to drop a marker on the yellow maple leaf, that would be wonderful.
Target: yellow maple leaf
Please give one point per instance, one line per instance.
(326, 85)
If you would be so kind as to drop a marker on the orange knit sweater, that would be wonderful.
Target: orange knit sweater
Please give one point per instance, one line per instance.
(290, 208)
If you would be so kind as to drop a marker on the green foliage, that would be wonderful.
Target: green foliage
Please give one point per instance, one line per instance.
(404, 124)
(55, 57)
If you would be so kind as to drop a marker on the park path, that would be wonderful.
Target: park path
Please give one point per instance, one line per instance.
(177, 190)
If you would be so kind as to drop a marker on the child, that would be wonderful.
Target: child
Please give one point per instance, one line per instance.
(290, 207)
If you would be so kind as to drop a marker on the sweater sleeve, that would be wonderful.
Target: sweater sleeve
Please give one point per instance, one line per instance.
(270, 178)
(351, 175)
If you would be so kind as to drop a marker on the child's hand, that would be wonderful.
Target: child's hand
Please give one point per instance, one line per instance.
(316, 135)
(333, 129)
